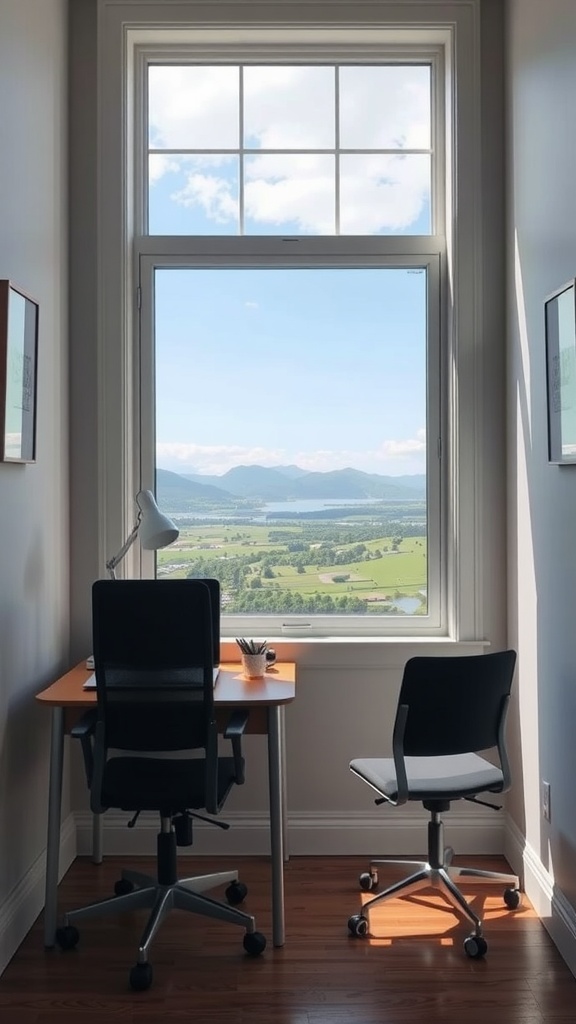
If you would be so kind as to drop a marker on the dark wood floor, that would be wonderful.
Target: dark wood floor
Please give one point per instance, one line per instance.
(411, 971)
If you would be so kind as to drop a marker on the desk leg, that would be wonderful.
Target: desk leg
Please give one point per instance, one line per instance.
(97, 826)
(53, 837)
(276, 822)
(285, 846)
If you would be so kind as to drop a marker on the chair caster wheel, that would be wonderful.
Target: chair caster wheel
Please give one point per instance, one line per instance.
(358, 925)
(67, 937)
(475, 946)
(235, 893)
(254, 943)
(368, 880)
(140, 977)
(122, 887)
(512, 898)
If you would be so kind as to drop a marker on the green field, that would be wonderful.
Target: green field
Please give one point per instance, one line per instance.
(312, 566)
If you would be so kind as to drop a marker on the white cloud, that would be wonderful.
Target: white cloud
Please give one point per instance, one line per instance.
(212, 194)
(159, 165)
(291, 188)
(409, 446)
(393, 457)
(382, 192)
(379, 193)
(213, 459)
(193, 107)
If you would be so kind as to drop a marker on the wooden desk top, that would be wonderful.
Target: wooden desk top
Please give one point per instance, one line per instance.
(232, 689)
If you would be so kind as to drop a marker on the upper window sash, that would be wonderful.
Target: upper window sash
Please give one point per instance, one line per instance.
(281, 54)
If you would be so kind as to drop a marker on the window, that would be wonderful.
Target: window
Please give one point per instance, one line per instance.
(259, 230)
(292, 398)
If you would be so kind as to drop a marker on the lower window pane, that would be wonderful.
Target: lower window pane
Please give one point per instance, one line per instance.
(291, 436)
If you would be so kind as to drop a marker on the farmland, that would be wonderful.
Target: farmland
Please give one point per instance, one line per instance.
(345, 561)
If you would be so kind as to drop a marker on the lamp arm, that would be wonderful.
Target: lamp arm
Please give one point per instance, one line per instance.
(114, 561)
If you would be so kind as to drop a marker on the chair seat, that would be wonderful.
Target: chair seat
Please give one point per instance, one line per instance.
(444, 778)
(151, 784)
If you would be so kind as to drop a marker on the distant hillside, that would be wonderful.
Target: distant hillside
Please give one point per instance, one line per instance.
(289, 483)
(291, 471)
(176, 492)
(416, 482)
(352, 483)
(253, 482)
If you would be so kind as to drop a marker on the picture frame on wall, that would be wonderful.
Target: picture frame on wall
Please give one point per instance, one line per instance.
(560, 334)
(18, 374)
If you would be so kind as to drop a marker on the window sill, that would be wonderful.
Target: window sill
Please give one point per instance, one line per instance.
(363, 652)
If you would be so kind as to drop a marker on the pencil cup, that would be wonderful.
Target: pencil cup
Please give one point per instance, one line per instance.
(254, 665)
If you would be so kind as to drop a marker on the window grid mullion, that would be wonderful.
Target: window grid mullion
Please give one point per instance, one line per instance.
(337, 150)
(241, 153)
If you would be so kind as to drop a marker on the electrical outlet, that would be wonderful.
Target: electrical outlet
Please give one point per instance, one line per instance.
(546, 800)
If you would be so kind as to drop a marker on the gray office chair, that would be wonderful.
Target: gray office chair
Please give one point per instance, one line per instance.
(153, 655)
(448, 710)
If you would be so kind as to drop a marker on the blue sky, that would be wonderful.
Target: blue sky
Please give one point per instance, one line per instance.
(324, 368)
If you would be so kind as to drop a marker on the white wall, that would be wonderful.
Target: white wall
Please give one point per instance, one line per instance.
(541, 244)
(34, 546)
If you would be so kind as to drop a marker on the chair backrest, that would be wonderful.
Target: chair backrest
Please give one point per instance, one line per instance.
(455, 705)
(215, 599)
(153, 661)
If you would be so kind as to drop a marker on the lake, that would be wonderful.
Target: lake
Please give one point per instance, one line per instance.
(260, 514)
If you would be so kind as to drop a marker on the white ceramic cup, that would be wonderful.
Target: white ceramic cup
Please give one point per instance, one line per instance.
(254, 665)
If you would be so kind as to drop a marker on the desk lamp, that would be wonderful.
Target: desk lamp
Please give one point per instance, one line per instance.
(154, 529)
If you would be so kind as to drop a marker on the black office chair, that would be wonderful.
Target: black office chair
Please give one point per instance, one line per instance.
(153, 655)
(448, 710)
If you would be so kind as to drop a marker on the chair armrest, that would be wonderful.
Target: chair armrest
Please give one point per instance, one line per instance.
(83, 730)
(234, 732)
(85, 725)
(236, 724)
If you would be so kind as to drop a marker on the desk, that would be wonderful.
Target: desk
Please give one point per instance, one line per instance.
(265, 698)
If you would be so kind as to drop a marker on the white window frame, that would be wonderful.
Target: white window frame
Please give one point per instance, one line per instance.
(128, 29)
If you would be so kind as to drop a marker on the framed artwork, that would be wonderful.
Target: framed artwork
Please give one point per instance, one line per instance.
(560, 331)
(18, 371)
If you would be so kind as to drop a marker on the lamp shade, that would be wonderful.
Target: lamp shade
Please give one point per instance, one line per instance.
(156, 530)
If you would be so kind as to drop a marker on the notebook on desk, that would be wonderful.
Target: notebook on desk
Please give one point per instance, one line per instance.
(189, 676)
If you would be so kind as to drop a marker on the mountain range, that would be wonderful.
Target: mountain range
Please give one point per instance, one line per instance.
(284, 483)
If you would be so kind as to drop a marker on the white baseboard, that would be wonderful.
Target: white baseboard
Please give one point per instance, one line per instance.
(396, 833)
(553, 909)
(22, 906)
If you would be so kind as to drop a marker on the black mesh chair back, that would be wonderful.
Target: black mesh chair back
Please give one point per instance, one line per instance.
(455, 705)
(153, 658)
(153, 663)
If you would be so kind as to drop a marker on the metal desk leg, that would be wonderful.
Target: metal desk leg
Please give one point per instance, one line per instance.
(53, 837)
(276, 838)
(97, 825)
(286, 848)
